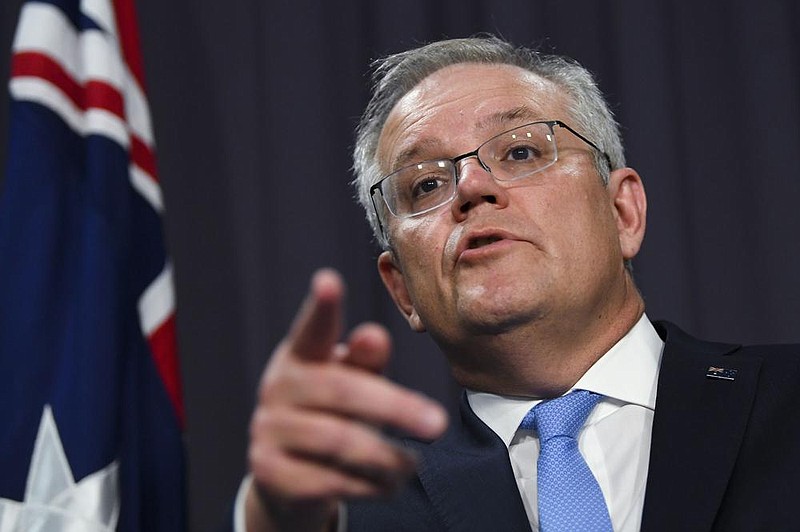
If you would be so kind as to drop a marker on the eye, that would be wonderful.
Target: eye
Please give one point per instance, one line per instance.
(523, 153)
(426, 185)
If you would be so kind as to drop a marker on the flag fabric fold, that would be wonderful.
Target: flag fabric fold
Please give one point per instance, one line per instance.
(91, 413)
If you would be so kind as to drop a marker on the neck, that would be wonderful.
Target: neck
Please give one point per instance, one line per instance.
(546, 357)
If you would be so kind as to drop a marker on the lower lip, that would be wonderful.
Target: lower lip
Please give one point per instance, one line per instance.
(474, 254)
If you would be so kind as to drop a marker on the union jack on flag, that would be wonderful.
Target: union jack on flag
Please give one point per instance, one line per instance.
(90, 406)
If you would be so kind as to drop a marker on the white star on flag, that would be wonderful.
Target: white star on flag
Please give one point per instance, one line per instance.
(53, 501)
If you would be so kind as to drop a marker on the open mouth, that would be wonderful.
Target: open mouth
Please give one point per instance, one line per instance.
(482, 241)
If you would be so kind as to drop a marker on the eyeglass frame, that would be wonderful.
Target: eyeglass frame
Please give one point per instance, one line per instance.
(474, 153)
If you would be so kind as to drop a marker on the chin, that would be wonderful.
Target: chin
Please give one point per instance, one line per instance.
(498, 316)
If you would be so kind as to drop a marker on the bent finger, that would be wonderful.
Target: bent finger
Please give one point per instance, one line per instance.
(349, 392)
(369, 346)
(296, 478)
(340, 442)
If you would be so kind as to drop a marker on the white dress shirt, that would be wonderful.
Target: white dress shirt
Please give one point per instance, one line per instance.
(615, 440)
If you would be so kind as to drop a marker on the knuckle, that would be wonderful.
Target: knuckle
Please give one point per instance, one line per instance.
(283, 384)
(268, 425)
(337, 443)
(262, 464)
(329, 485)
(340, 391)
(261, 419)
(356, 447)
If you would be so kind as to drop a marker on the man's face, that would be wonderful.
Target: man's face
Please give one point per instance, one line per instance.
(501, 255)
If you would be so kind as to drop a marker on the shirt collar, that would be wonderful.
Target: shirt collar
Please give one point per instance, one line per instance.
(627, 373)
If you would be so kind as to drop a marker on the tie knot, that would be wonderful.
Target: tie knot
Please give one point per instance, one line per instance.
(563, 416)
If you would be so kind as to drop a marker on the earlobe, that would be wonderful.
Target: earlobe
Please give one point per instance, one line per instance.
(630, 209)
(395, 284)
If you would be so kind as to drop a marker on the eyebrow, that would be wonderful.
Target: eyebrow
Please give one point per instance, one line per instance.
(500, 118)
(411, 154)
(511, 115)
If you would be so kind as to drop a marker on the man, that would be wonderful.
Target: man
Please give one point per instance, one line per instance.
(495, 181)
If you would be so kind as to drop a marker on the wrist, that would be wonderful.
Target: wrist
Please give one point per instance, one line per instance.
(265, 513)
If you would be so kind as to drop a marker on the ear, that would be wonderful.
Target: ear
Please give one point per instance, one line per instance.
(629, 204)
(395, 284)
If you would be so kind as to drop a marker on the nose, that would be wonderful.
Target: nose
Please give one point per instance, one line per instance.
(476, 186)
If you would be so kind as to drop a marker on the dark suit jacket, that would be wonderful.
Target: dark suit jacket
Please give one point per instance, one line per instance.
(725, 455)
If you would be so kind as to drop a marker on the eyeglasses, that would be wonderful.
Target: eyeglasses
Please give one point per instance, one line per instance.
(512, 155)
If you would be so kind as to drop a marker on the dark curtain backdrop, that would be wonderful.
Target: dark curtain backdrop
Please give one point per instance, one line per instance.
(254, 105)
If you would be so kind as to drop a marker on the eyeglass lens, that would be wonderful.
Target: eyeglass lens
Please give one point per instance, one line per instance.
(512, 155)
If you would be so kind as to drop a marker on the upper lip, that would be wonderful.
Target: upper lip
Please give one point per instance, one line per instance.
(480, 237)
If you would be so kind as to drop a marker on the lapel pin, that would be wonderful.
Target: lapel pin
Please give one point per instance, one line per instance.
(724, 374)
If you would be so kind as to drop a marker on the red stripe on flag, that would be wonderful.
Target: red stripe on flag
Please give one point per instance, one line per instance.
(163, 345)
(35, 64)
(125, 11)
(95, 94)
(143, 157)
(162, 340)
(99, 95)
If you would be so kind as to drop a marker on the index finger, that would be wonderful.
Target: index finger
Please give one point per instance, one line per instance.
(318, 324)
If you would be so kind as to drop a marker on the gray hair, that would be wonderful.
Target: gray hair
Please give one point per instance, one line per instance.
(397, 74)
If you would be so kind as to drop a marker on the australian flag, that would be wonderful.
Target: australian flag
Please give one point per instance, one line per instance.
(90, 401)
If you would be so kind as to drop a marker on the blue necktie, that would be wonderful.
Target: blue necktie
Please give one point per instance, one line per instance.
(569, 496)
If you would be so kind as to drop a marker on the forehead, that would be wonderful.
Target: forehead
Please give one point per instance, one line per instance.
(461, 105)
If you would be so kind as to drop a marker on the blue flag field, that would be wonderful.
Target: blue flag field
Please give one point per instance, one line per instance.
(91, 413)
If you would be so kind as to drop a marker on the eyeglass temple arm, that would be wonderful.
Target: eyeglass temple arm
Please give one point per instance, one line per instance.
(587, 141)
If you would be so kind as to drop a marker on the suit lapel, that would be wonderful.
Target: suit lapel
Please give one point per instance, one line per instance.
(468, 478)
(697, 430)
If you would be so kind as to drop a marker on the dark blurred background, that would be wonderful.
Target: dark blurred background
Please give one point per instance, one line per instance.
(254, 105)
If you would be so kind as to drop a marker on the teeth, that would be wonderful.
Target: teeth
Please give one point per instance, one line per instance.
(483, 241)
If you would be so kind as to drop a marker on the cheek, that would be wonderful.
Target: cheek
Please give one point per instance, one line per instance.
(580, 220)
(422, 237)
(599, 237)
(420, 244)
